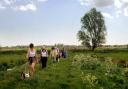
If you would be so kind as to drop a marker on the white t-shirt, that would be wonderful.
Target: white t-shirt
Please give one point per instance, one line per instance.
(44, 53)
(31, 53)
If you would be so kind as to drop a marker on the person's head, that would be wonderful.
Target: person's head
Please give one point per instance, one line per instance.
(43, 48)
(31, 45)
(53, 48)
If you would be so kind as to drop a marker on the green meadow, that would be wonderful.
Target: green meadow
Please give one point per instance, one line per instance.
(82, 69)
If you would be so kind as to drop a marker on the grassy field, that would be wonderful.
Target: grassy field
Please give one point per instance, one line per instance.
(81, 70)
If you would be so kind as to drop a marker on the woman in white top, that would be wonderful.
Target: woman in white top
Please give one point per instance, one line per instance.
(31, 56)
(44, 57)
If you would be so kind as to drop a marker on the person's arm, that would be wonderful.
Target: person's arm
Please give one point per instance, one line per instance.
(36, 57)
(47, 53)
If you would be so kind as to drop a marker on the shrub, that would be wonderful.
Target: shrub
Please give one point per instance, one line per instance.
(87, 62)
(100, 74)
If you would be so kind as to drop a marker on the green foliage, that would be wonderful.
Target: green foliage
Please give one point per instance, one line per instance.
(100, 74)
(11, 58)
(83, 69)
(93, 30)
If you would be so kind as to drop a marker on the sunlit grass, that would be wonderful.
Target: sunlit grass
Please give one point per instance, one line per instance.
(62, 75)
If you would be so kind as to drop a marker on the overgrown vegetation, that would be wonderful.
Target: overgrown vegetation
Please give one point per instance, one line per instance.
(83, 69)
(11, 58)
(101, 74)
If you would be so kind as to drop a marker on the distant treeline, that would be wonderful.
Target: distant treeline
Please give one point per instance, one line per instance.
(68, 47)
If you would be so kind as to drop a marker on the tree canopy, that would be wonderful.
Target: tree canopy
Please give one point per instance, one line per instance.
(93, 29)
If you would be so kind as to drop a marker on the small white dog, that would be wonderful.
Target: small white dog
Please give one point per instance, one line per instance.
(27, 75)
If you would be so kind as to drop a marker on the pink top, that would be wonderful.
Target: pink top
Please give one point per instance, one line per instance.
(31, 53)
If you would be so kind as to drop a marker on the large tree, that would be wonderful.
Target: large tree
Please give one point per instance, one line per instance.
(93, 29)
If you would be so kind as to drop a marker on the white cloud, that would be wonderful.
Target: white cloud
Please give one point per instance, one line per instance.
(120, 6)
(103, 3)
(31, 7)
(20, 5)
(22, 8)
(85, 2)
(126, 1)
(107, 15)
(97, 3)
(9, 2)
(2, 7)
(28, 7)
(118, 3)
(126, 11)
(42, 0)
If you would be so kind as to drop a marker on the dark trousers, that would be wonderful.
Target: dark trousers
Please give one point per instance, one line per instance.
(44, 62)
(57, 58)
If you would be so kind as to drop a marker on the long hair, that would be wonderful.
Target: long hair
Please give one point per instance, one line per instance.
(31, 45)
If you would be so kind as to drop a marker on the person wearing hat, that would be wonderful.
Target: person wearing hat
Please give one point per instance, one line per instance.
(44, 57)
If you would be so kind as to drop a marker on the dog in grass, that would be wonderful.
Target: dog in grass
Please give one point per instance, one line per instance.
(24, 75)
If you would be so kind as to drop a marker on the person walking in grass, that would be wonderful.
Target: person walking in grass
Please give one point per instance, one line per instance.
(64, 53)
(53, 54)
(44, 57)
(31, 56)
(57, 51)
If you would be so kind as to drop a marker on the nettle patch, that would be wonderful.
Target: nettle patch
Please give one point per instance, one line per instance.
(101, 73)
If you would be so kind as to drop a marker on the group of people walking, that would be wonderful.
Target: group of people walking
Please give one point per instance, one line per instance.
(55, 55)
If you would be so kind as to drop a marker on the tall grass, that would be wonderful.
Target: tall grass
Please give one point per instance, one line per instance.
(68, 73)
(11, 58)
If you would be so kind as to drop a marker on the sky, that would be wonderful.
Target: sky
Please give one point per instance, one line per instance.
(46, 22)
